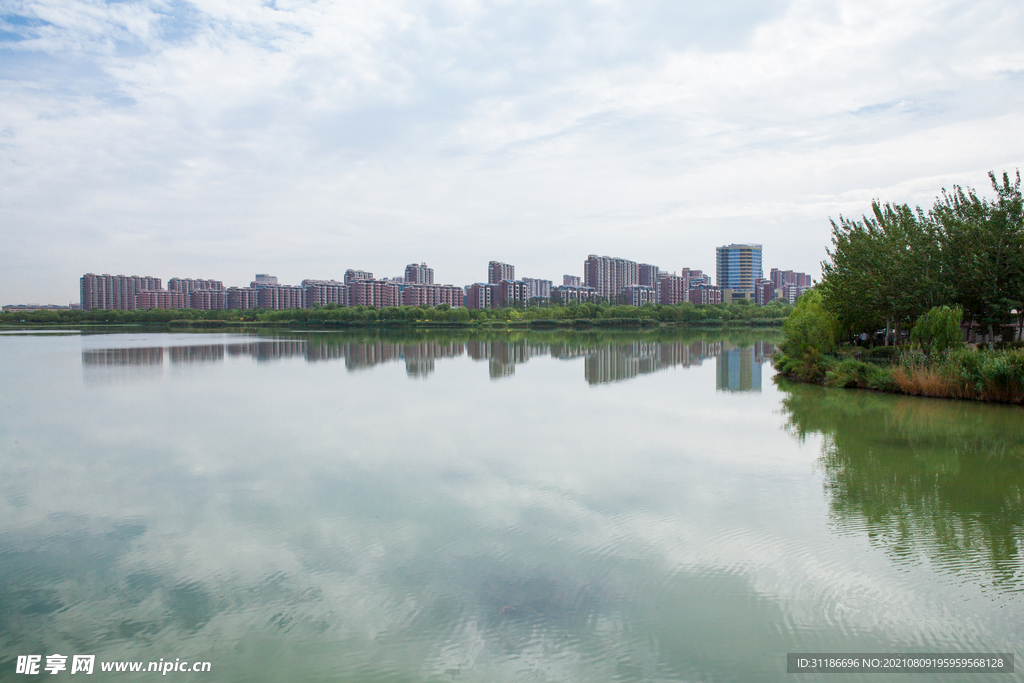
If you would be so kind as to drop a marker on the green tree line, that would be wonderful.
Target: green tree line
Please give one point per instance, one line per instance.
(332, 314)
(889, 269)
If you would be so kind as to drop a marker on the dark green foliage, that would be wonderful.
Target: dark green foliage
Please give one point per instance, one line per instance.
(903, 267)
(884, 352)
(888, 270)
(993, 375)
(852, 373)
(810, 337)
(983, 249)
(338, 316)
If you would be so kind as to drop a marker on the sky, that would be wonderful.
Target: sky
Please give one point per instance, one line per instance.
(223, 138)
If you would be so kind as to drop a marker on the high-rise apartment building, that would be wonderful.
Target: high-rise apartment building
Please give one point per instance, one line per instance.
(186, 285)
(264, 279)
(572, 281)
(694, 278)
(790, 293)
(419, 274)
(375, 293)
(432, 295)
(572, 294)
(510, 293)
(781, 278)
(116, 292)
(705, 294)
(325, 292)
(737, 267)
(638, 295)
(648, 274)
(480, 295)
(608, 275)
(497, 271)
(159, 298)
(539, 289)
(352, 275)
(672, 289)
(278, 297)
(207, 299)
(242, 298)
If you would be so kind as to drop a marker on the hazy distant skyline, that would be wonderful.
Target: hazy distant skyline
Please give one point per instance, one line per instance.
(218, 139)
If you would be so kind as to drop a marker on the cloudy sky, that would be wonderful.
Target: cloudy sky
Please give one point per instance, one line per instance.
(220, 138)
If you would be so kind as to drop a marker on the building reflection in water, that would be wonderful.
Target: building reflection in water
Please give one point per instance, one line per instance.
(502, 355)
(117, 357)
(739, 367)
(619, 362)
(122, 365)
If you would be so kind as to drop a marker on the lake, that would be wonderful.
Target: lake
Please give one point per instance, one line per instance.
(503, 506)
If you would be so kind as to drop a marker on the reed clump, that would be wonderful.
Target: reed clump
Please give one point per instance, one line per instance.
(964, 373)
(975, 374)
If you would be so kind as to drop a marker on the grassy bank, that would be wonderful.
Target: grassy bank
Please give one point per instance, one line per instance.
(809, 353)
(972, 374)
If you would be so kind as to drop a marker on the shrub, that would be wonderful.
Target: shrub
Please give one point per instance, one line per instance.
(888, 352)
(1003, 376)
(810, 329)
(854, 373)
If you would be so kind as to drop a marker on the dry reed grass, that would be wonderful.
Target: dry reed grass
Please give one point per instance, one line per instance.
(924, 381)
(1004, 394)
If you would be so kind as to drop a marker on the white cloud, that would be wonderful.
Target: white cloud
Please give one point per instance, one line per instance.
(220, 138)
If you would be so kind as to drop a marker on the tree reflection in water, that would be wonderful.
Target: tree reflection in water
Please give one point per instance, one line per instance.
(927, 479)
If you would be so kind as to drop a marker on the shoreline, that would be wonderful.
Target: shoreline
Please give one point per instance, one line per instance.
(297, 325)
(934, 379)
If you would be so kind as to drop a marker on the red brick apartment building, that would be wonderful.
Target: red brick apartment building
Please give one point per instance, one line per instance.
(479, 295)
(672, 289)
(325, 292)
(159, 299)
(432, 295)
(114, 292)
(608, 275)
(375, 293)
(498, 271)
(242, 298)
(419, 274)
(208, 299)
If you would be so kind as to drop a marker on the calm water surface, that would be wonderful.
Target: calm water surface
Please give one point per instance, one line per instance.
(506, 507)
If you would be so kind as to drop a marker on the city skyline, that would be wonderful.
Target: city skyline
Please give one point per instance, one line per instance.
(615, 280)
(595, 276)
(222, 137)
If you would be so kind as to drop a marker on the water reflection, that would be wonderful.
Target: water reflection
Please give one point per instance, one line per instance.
(117, 357)
(739, 367)
(608, 357)
(929, 481)
(283, 510)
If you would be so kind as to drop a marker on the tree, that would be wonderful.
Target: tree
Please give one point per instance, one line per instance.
(983, 250)
(811, 330)
(938, 329)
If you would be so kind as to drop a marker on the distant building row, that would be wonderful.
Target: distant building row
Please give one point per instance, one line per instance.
(131, 292)
(605, 278)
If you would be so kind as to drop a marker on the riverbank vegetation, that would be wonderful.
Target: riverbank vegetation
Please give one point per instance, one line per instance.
(924, 303)
(584, 314)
